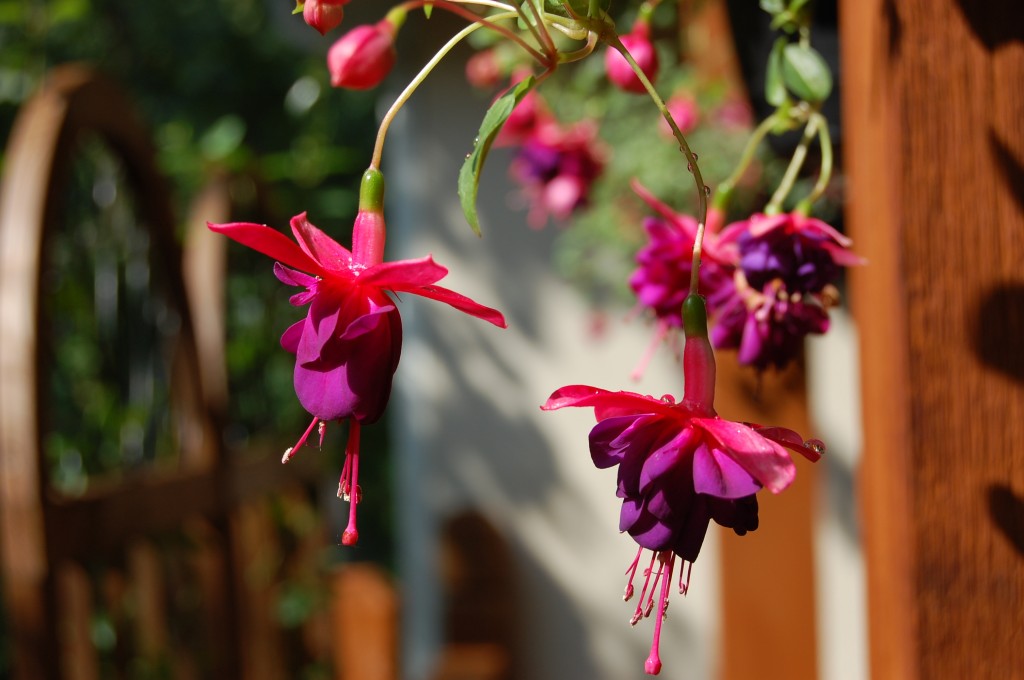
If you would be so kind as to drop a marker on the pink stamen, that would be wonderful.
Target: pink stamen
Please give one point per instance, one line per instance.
(291, 451)
(660, 332)
(684, 586)
(652, 666)
(322, 430)
(351, 535)
(631, 572)
(639, 613)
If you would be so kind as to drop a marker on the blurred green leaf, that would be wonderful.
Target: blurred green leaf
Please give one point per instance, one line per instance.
(494, 119)
(806, 73)
(774, 88)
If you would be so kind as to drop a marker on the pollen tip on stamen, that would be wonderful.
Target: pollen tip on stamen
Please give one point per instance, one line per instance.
(628, 595)
(288, 453)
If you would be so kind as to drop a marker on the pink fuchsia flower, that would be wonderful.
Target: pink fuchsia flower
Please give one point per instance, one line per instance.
(680, 466)
(557, 166)
(324, 15)
(638, 43)
(363, 57)
(483, 69)
(735, 113)
(661, 280)
(783, 285)
(348, 346)
(685, 113)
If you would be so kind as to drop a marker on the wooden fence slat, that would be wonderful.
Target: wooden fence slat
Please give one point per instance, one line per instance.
(933, 95)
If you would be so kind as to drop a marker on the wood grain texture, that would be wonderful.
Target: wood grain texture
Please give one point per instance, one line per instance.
(934, 115)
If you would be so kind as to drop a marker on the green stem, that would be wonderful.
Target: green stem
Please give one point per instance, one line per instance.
(799, 155)
(756, 137)
(378, 148)
(825, 176)
(539, 31)
(582, 53)
(691, 160)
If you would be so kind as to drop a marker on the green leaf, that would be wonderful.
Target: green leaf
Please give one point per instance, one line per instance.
(299, 4)
(428, 9)
(469, 175)
(772, 6)
(805, 73)
(774, 88)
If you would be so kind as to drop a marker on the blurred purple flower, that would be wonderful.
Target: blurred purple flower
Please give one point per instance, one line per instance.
(557, 167)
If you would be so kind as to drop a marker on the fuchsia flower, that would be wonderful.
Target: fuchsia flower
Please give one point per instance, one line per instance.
(661, 280)
(769, 280)
(557, 166)
(783, 285)
(638, 43)
(680, 466)
(685, 113)
(363, 57)
(324, 15)
(348, 346)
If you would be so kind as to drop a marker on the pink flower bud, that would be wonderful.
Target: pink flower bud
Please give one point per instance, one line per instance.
(638, 43)
(324, 15)
(483, 69)
(363, 57)
(684, 112)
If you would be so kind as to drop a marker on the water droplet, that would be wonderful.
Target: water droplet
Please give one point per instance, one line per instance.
(707, 190)
(689, 167)
(815, 444)
(694, 155)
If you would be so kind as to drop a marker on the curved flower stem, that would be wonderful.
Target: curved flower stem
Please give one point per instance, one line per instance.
(756, 137)
(691, 160)
(799, 155)
(539, 30)
(825, 140)
(378, 147)
(582, 53)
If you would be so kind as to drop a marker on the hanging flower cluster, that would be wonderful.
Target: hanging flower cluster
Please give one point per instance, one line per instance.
(769, 280)
(766, 281)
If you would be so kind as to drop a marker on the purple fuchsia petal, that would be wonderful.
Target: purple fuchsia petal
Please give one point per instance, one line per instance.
(763, 459)
(352, 378)
(271, 243)
(689, 537)
(630, 513)
(739, 514)
(292, 335)
(716, 474)
(606, 447)
(329, 253)
(292, 277)
(652, 533)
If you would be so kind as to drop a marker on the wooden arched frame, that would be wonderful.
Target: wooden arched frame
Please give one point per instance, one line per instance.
(40, 531)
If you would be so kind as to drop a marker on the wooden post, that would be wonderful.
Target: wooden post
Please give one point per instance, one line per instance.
(933, 114)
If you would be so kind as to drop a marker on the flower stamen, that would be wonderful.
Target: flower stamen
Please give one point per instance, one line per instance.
(350, 484)
(292, 450)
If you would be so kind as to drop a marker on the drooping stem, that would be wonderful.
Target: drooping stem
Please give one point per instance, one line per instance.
(756, 137)
(825, 175)
(799, 155)
(396, 106)
(691, 159)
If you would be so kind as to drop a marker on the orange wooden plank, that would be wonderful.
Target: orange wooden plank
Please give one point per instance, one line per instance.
(934, 122)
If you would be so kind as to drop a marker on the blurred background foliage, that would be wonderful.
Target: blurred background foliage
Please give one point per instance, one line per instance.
(236, 87)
